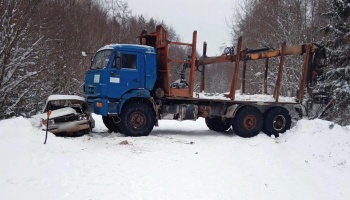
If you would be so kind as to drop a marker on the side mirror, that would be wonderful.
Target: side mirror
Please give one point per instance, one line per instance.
(119, 55)
(117, 60)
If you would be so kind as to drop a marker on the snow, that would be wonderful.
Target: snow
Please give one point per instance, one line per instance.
(148, 49)
(56, 113)
(245, 97)
(64, 97)
(179, 160)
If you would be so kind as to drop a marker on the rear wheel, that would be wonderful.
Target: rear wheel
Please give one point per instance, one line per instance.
(111, 123)
(247, 122)
(216, 124)
(277, 120)
(137, 119)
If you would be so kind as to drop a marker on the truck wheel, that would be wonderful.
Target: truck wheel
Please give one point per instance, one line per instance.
(247, 122)
(110, 123)
(216, 124)
(137, 119)
(276, 120)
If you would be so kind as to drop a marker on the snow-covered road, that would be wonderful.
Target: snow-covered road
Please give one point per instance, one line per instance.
(179, 160)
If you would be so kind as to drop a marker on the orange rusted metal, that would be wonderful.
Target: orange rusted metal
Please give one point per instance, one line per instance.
(265, 74)
(265, 54)
(159, 40)
(289, 50)
(179, 92)
(243, 77)
(304, 74)
(193, 65)
(201, 89)
(280, 71)
(216, 59)
(180, 43)
(235, 73)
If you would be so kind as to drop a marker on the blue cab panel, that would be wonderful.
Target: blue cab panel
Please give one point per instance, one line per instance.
(118, 69)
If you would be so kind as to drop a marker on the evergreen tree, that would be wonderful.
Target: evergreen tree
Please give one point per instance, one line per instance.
(337, 41)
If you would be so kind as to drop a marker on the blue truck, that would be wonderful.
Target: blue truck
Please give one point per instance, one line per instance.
(129, 85)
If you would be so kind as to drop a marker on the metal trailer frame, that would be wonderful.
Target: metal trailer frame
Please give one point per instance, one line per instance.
(159, 40)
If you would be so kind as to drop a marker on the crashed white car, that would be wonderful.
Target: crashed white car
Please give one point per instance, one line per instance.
(67, 117)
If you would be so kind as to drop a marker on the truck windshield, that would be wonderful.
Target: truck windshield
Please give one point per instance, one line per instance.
(101, 59)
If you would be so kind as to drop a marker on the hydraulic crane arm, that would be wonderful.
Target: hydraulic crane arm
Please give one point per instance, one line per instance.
(246, 54)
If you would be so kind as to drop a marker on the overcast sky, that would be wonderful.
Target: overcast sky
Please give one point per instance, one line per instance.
(208, 17)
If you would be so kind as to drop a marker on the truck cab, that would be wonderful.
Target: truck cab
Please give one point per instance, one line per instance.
(119, 72)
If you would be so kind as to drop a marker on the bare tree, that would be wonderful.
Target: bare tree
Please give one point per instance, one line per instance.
(18, 53)
(337, 76)
(41, 45)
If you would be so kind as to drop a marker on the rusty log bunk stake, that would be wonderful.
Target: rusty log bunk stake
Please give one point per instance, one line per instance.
(161, 45)
(193, 64)
(280, 72)
(243, 76)
(164, 40)
(235, 73)
(184, 92)
(203, 68)
(303, 79)
(265, 74)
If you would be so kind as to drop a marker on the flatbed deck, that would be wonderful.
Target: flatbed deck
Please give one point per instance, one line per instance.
(239, 99)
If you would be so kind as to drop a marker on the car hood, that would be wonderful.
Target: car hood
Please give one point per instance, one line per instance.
(57, 113)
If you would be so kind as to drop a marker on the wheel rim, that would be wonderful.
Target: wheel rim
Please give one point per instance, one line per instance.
(249, 122)
(279, 122)
(137, 120)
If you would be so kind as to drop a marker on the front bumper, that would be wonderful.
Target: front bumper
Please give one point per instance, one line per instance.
(101, 107)
(71, 127)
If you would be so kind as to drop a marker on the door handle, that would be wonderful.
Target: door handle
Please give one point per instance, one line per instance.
(136, 80)
(114, 74)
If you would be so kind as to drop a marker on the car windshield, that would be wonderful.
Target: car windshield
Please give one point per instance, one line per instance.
(63, 103)
(101, 59)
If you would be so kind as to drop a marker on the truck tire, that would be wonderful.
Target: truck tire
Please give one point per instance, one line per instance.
(276, 120)
(110, 123)
(216, 124)
(137, 119)
(247, 122)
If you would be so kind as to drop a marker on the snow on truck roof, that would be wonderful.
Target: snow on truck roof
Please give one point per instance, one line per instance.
(129, 47)
(64, 97)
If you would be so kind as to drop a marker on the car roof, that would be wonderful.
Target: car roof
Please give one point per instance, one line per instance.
(64, 97)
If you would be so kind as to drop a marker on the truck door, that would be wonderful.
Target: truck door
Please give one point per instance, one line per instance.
(125, 74)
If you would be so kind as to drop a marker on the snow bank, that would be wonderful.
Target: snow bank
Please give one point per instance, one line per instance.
(179, 160)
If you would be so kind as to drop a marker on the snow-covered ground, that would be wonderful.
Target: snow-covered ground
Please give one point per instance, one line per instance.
(179, 160)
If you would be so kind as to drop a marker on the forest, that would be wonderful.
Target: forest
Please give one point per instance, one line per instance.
(41, 44)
